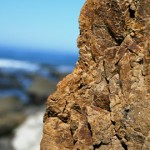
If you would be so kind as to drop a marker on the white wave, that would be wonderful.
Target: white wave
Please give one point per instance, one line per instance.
(16, 64)
(29, 134)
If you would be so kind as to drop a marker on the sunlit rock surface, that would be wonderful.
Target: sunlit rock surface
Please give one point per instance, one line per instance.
(104, 104)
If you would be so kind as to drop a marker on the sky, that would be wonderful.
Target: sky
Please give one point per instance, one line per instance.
(40, 24)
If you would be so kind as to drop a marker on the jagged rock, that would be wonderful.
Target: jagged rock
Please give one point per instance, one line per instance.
(104, 103)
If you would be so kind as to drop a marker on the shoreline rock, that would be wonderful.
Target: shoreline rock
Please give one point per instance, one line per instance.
(11, 115)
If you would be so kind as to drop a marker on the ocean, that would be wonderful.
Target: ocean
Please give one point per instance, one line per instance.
(18, 68)
(39, 56)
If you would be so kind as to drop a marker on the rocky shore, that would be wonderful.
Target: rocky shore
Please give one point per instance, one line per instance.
(23, 93)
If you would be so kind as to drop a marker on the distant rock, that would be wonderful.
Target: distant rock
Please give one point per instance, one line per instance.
(40, 89)
(5, 143)
(11, 114)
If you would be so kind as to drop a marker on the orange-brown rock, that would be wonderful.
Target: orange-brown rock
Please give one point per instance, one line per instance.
(104, 104)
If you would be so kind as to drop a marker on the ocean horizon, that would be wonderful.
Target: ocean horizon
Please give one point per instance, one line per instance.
(54, 57)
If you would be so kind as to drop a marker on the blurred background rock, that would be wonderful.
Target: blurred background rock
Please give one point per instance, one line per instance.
(24, 88)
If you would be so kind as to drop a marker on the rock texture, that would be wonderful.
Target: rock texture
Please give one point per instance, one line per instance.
(104, 104)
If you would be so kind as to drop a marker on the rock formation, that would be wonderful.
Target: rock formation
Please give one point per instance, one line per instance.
(104, 104)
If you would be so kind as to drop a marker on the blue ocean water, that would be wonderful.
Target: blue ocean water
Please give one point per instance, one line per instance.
(16, 65)
(39, 56)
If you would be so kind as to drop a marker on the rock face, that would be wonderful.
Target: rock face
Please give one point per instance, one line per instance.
(104, 104)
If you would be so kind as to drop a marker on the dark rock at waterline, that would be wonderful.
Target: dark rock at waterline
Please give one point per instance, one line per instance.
(9, 122)
(11, 114)
(5, 143)
(40, 89)
(30, 87)
(7, 82)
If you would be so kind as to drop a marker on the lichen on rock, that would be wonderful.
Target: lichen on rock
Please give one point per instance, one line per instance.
(104, 104)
